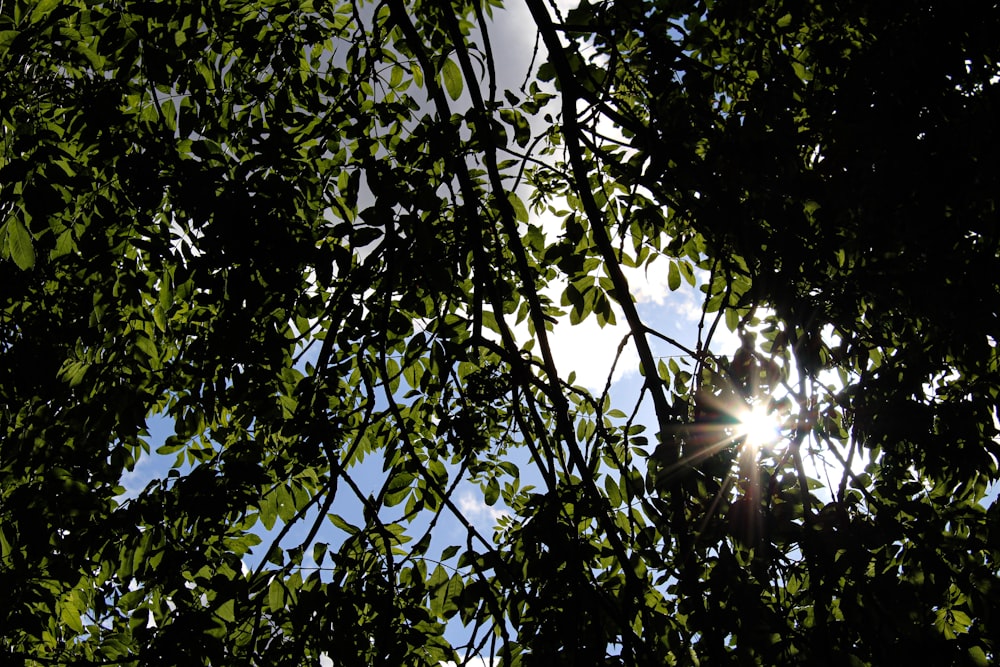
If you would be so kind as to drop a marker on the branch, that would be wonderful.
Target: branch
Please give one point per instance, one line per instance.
(571, 92)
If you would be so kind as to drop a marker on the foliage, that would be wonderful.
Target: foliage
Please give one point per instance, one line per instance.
(305, 235)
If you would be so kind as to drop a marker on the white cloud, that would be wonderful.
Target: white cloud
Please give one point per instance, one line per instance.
(589, 350)
(725, 341)
(149, 468)
(688, 305)
(473, 662)
(649, 282)
(474, 508)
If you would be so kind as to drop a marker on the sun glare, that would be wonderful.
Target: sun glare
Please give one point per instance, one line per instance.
(760, 427)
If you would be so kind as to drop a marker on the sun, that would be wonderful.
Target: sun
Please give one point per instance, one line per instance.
(760, 426)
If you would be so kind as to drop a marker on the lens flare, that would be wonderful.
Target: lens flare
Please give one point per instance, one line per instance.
(761, 428)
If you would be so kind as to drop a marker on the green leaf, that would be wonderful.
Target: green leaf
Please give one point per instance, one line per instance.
(522, 130)
(6, 549)
(284, 503)
(732, 319)
(171, 445)
(147, 346)
(339, 522)
(801, 71)
(19, 244)
(319, 552)
(70, 615)
(159, 319)
(227, 611)
(269, 510)
(978, 656)
(43, 7)
(520, 212)
(452, 77)
(65, 244)
(6, 39)
(687, 272)
(73, 371)
(613, 490)
(451, 594)
(492, 492)
(276, 595)
(395, 76)
(673, 277)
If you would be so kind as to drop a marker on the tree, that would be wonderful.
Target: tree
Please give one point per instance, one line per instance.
(306, 236)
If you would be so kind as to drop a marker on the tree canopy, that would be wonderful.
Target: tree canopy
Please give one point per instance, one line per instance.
(325, 246)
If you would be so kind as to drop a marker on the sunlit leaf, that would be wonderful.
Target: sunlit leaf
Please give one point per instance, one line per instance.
(452, 77)
(19, 243)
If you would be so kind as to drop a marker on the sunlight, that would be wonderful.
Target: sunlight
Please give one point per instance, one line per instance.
(761, 428)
